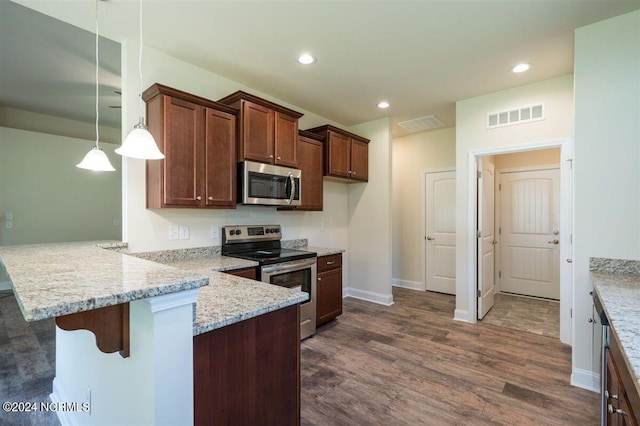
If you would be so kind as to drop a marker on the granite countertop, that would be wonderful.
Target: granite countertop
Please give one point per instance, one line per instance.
(51, 280)
(214, 263)
(617, 283)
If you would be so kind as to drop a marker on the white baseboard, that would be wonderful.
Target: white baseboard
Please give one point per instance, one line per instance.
(462, 315)
(5, 285)
(586, 380)
(411, 285)
(369, 296)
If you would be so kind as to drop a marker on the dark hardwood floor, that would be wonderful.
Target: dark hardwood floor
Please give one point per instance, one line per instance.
(411, 364)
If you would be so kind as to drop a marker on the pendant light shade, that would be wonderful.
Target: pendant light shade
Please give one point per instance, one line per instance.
(96, 160)
(140, 144)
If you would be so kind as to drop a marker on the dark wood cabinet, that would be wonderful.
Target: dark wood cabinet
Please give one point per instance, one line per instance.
(310, 162)
(623, 401)
(250, 273)
(197, 137)
(329, 288)
(268, 132)
(248, 373)
(346, 155)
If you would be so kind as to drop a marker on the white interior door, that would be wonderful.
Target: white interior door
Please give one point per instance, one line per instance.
(440, 227)
(487, 240)
(530, 217)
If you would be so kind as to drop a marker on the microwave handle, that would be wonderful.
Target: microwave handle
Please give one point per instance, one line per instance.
(293, 187)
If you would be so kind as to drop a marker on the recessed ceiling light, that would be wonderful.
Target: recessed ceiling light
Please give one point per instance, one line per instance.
(383, 105)
(306, 59)
(521, 68)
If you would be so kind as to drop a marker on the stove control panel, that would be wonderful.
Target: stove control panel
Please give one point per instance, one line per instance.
(247, 233)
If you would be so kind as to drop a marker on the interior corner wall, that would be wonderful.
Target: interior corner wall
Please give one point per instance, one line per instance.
(607, 158)
(51, 199)
(148, 229)
(473, 136)
(369, 225)
(412, 155)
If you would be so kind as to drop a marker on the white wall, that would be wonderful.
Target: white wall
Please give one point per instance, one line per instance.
(412, 156)
(369, 227)
(472, 136)
(607, 159)
(149, 229)
(540, 157)
(51, 199)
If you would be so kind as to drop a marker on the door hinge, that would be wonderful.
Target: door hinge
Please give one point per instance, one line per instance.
(571, 313)
(479, 233)
(570, 160)
(571, 239)
(500, 230)
(499, 274)
(479, 293)
(479, 174)
(499, 187)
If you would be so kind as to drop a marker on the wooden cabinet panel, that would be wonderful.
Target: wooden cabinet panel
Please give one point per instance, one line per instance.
(198, 139)
(286, 140)
(359, 160)
(329, 288)
(250, 273)
(257, 139)
(310, 152)
(624, 400)
(183, 128)
(220, 167)
(248, 373)
(346, 155)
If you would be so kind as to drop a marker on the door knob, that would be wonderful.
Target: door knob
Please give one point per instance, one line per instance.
(430, 238)
(554, 242)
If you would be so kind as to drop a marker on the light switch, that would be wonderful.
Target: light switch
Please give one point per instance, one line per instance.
(214, 233)
(184, 232)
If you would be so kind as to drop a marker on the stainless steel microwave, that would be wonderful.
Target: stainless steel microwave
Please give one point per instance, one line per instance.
(268, 185)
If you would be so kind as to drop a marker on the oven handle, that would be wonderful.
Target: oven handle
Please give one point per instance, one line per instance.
(293, 187)
(290, 267)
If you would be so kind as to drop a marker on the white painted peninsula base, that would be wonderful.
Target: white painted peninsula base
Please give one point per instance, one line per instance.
(154, 386)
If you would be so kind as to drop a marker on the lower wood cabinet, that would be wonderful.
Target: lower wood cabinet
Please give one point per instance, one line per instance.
(623, 399)
(248, 373)
(329, 288)
(250, 273)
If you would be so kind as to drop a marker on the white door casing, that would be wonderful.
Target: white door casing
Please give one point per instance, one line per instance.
(440, 231)
(487, 239)
(530, 237)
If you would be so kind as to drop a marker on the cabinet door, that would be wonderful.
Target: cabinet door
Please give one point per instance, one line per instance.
(257, 133)
(329, 296)
(220, 165)
(250, 273)
(310, 163)
(183, 153)
(338, 147)
(286, 140)
(359, 160)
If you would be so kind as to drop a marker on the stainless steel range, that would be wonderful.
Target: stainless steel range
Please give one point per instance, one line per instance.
(295, 269)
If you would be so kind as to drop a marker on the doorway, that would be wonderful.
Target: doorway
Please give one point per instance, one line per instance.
(562, 250)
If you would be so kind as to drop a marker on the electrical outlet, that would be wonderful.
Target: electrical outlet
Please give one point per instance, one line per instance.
(174, 233)
(8, 224)
(214, 232)
(323, 227)
(116, 222)
(184, 232)
(9, 215)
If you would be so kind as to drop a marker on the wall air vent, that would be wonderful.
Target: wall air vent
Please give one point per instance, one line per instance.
(523, 114)
(422, 123)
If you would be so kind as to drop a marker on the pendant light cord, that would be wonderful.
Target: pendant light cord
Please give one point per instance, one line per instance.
(97, 81)
(140, 65)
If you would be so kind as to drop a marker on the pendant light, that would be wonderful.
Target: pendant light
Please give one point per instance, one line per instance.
(140, 143)
(96, 159)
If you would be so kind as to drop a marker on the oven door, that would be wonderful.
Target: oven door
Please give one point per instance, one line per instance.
(265, 184)
(299, 275)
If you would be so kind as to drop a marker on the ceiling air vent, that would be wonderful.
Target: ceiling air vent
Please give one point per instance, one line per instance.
(523, 114)
(422, 123)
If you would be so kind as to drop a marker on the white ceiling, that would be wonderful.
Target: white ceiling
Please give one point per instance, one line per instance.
(421, 56)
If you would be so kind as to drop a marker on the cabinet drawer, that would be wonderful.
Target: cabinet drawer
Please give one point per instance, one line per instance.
(326, 263)
(250, 273)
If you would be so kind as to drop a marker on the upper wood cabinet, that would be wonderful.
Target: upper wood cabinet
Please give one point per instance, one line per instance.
(346, 156)
(268, 132)
(310, 162)
(197, 137)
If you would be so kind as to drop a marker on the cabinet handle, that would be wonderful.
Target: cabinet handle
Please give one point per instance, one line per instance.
(608, 395)
(331, 262)
(271, 156)
(319, 279)
(612, 410)
(210, 198)
(353, 173)
(278, 158)
(591, 320)
(198, 198)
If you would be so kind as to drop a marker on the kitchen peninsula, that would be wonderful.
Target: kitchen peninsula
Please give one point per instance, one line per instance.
(147, 320)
